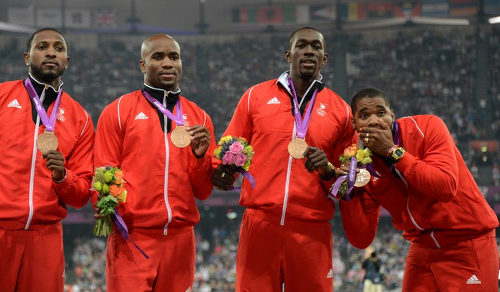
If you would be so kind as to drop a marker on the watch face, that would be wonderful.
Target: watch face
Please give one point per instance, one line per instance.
(398, 152)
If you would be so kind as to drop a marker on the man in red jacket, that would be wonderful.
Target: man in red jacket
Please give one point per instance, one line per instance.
(285, 236)
(139, 133)
(431, 195)
(46, 140)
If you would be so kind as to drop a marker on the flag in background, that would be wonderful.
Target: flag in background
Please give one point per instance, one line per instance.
(463, 7)
(104, 17)
(435, 8)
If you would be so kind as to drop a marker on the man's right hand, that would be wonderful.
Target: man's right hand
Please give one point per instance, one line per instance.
(223, 177)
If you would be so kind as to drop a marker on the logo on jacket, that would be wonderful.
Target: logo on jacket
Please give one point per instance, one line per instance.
(141, 116)
(14, 103)
(274, 100)
(60, 116)
(330, 274)
(185, 117)
(473, 280)
(321, 110)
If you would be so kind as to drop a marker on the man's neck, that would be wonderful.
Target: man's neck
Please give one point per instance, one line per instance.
(55, 84)
(301, 85)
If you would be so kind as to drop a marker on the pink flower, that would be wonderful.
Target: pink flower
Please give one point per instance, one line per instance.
(240, 159)
(236, 148)
(228, 158)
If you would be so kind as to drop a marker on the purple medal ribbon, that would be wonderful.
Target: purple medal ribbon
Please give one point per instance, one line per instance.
(301, 124)
(178, 115)
(246, 175)
(350, 176)
(397, 139)
(122, 227)
(48, 122)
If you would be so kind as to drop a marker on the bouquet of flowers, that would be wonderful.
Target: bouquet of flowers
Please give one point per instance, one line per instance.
(108, 182)
(356, 158)
(236, 153)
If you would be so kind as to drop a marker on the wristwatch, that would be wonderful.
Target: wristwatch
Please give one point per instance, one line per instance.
(396, 154)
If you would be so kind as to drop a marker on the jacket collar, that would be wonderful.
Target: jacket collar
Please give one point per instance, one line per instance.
(317, 83)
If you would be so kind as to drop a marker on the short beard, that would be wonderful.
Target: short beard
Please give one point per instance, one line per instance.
(45, 77)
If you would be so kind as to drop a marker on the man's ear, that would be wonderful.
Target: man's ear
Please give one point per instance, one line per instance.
(287, 56)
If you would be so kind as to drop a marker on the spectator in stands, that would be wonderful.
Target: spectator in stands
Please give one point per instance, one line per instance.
(164, 174)
(431, 196)
(287, 212)
(47, 140)
(372, 281)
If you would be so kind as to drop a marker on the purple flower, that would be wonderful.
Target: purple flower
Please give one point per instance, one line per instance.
(240, 159)
(236, 148)
(228, 158)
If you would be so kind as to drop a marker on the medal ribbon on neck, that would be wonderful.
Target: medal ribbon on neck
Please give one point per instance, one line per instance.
(177, 118)
(48, 122)
(301, 124)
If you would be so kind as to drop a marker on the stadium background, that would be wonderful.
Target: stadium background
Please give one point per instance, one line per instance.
(447, 66)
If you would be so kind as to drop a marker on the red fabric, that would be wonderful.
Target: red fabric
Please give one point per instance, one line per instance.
(162, 184)
(283, 186)
(32, 260)
(138, 147)
(298, 255)
(75, 132)
(442, 205)
(471, 265)
(170, 267)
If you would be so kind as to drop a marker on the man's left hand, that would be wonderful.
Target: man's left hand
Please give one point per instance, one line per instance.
(200, 139)
(55, 163)
(316, 159)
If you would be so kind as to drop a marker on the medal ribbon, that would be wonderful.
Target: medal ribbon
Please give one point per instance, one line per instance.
(177, 118)
(301, 124)
(122, 227)
(48, 122)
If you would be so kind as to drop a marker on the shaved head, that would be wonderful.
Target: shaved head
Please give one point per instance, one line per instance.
(161, 62)
(147, 43)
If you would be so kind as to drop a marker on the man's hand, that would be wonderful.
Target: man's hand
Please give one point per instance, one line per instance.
(378, 140)
(316, 159)
(200, 140)
(223, 177)
(55, 163)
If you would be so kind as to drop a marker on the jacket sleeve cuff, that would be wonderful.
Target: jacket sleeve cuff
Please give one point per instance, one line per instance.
(64, 182)
(405, 162)
(202, 164)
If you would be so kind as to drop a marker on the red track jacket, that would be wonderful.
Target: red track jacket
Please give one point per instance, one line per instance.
(436, 201)
(28, 196)
(162, 180)
(283, 187)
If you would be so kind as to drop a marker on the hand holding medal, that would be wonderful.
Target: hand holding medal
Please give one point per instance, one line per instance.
(180, 137)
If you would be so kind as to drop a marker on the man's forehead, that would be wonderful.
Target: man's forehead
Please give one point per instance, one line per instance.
(48, 36)
(308, 35)
(160, 43)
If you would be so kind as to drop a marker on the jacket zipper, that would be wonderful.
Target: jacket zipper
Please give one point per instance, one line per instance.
(167, 160)
(32, 174)
(290, 159)
(32, 170)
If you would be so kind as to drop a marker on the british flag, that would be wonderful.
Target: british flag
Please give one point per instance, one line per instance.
(104, 18)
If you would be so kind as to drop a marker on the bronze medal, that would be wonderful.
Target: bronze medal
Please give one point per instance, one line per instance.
(180, 137)
(47, 141)
(297, 147)
(362, 178)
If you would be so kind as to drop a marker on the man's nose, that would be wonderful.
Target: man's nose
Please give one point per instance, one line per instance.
(373, 121)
